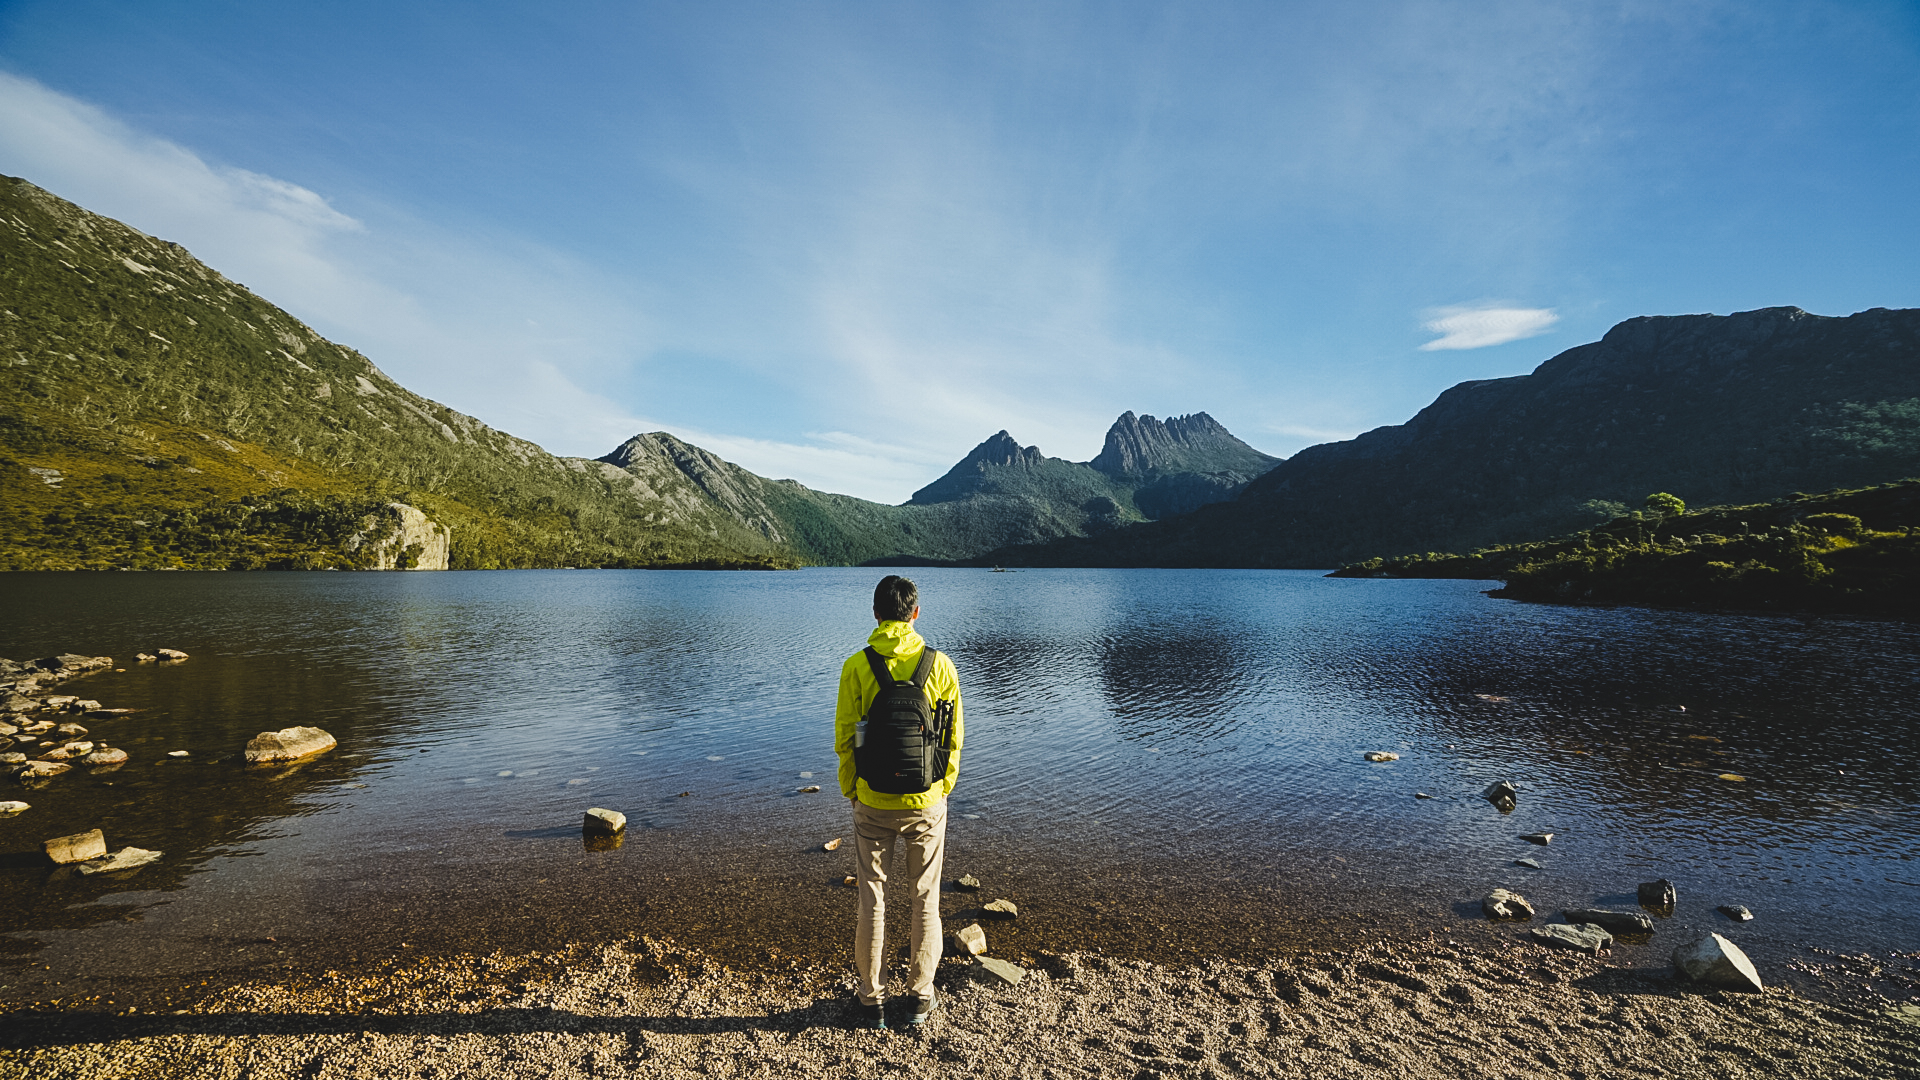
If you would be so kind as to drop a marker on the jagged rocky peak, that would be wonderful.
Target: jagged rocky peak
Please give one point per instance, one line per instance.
(1137, 445)
(975, 472)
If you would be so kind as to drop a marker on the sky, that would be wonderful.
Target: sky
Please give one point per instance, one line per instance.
(845, 242)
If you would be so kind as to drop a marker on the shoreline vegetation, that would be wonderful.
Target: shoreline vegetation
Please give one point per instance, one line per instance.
(1843, 552)
(1412, 1010)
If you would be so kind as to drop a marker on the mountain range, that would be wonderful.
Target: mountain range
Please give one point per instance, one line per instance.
(155, 414)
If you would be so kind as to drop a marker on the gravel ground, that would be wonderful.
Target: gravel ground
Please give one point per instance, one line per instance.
(649, 1008)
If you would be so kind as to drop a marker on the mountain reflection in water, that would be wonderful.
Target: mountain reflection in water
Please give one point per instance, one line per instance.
(1159, 762)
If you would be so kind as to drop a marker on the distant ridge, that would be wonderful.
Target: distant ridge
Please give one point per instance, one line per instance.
(1718, 409)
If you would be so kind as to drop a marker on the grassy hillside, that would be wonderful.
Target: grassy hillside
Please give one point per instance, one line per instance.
(132, 368)
(1717, 409)
(1852, 551)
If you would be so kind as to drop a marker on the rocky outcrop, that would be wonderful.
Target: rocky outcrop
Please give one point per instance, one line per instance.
(404, 538)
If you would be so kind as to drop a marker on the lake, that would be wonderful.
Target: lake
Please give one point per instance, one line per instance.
(1158, 763)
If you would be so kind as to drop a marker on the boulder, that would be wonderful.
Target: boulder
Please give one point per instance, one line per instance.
(1736, 912)
(1381, 755)
(1658, 894)
(13, 807)
(70, 731)
(288, 744)
(603, 822)
(967, 883)
(1582, 937)
(971, 939)
(1620, 922)
(106, 755)
(127, 858)
(170, 654)
(1506, 904)
(999, 972)
(1501, 795)
(1001, 909)
(77, 848)
(1715, 961)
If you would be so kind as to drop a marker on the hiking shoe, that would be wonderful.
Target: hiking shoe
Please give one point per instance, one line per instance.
(872, 1016)
(922, 1010)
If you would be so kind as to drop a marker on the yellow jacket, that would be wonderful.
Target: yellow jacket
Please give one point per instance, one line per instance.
(900, 646)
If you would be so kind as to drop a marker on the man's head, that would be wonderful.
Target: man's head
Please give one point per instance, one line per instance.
(896, 599)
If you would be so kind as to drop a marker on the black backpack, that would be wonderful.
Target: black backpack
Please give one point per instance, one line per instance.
(902, 745)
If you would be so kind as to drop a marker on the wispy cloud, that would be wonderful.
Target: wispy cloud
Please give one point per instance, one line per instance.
(1479, 327)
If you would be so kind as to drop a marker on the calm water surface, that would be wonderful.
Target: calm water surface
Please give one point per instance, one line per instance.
(1164, 763)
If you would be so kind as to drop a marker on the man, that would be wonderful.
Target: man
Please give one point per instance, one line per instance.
(885, 816)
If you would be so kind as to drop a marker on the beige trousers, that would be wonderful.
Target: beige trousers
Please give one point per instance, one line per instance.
(921, 835)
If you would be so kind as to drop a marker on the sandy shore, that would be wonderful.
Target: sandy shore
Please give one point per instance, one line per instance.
(648, 1008)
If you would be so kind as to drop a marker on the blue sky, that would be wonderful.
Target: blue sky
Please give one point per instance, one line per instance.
(844, 242)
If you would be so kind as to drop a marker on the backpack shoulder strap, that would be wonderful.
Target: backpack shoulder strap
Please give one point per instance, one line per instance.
(879, 665)
(924, 668)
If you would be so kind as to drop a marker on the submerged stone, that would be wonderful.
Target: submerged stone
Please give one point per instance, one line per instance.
(127, 858)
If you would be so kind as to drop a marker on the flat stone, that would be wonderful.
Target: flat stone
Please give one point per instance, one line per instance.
(83, 705)
(41, 770)
(603, 822)
(144, 658)
(9, 729)
(1620, 922)
(1715, 961)
(102, 714)
(57, 701)
(1381, 755)
(1002, 909)
(1533, 863)
(1541, 838)
(971, 939)
(178, 753)
(1501, 795)
(288, 744)
(1421, 795)
(106, 755)
(1581, 937)
(70, 731)
(1736, 912)
(967, 883)
(999, 970)
(1506, 904)
(13, 759)
(810, 789)
(1658, 894)
(13, 807)
(170, 654)
(127, 858)
(65, 753)
(77, 848)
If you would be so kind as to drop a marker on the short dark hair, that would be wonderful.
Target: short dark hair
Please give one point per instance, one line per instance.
(895, 598)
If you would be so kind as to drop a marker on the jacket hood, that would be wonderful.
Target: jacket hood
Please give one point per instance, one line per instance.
(893, 638)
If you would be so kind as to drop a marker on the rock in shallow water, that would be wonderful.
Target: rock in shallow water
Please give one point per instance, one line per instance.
(1541, 838)
(603, 822)
(1658, 894)
(127, 858)
(1582, 937)
(13, 807)
(1717, 962)
(41, 770)
(1506, 904)
(1501, 795)
(1381, 755)
(1620, 922)
(1736, 912)
(106, 755)
(77, 848)
(288, 744)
